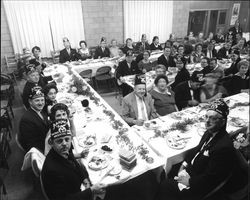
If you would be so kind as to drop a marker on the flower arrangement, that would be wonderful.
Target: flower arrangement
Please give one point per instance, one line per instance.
(182, 125)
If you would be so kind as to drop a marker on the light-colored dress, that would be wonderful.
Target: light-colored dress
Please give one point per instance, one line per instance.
(114, 52)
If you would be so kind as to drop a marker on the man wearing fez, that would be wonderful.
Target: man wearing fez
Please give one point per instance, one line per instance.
(62, 176)
(33, 79)
(68, 53)
(102, 51)
(138, 106)
(34, 124)
(125, 68)
(212, 162)
(187, 92)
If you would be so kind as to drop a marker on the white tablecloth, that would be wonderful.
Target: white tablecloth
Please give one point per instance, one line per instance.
(100, 121)
(194, 131)
(94, 64)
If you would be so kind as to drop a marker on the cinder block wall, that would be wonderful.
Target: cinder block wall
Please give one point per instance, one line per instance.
(102, 18)
(180, 18)
(6, 42)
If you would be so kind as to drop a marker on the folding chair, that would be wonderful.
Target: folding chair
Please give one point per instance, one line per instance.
(37, 160)
(87, 75)
(103, 74)
(18, 143)
(11, 63)
(43, 190)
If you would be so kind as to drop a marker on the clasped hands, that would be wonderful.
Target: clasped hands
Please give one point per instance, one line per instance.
(183, 178)
(97, 189)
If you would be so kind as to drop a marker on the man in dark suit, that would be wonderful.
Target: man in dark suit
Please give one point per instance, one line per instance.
(187, 92)
(166, 59)
(68, 54)
(225, 51)
(210, 51)
(143, 45)
(62, 175)
(102, 51)
(125, 68)
(34, 124)
(211, 163)
(182, 74)
(33, 79)
(235, 57)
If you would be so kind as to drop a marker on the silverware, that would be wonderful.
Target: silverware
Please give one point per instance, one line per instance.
(161, 119)
(106, 174)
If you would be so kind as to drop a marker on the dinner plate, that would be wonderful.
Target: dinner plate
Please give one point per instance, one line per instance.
(116, 170)
(173, 143)
(98, 162)
(87, 141)
(151, 125)
(237, 122)
(176, 115)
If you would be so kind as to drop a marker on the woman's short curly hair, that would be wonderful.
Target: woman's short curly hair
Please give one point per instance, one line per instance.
(56, 107)
(162, 76)
(48, 87)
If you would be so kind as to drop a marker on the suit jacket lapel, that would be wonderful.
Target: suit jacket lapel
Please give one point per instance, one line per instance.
(65, 162)
(44, 121)
(188, 89)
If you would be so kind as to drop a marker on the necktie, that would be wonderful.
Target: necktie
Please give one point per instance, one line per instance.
(210, 54)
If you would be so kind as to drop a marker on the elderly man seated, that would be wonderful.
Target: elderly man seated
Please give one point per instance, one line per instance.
(211, 163)
(138, 106)
(62, 175)
(68, 53)
(60, 111)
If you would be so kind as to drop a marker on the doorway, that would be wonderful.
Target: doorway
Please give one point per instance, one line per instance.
(206, 21)
(197, 21)
(213, 21)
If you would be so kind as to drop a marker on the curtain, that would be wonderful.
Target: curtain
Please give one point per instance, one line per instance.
(44, 24)
(154, 18)
(66, 20)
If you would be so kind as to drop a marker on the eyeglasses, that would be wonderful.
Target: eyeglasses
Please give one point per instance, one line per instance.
(212, 118)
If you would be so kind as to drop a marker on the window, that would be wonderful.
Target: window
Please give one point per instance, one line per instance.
(222, 18)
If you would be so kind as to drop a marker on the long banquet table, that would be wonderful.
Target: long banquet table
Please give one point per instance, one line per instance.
(160, 142)
(100, 121)
(174, 134)
(94, 64)
(171, 73)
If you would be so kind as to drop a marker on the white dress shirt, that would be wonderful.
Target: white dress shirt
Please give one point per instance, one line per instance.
(191, 91)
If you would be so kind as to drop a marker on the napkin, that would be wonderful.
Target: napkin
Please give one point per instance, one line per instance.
(180, 185)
